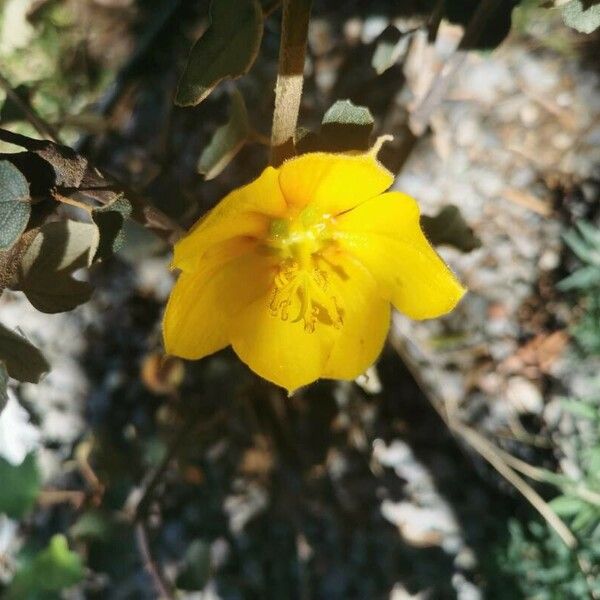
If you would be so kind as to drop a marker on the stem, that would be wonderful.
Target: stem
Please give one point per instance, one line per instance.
(290, 77)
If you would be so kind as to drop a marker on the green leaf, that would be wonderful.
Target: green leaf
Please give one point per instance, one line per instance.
(15, 206)
(449, 228)
(592, 457)
(345, 127)
(582, 279)
(391, 45)
(582, 15)
(110, 220)
(3, 386)
(21, 359)
(343, 112)
(226, 50)
(48, 572)
(20, 487)
(93, 525)
(589, 516)
(196, 568)
(567, 506)
(589, 233)
(580, 409)
(227, 141)
(59, 249)
(584, 250)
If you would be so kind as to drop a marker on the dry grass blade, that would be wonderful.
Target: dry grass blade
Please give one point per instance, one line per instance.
(486, 450)
(495, 458)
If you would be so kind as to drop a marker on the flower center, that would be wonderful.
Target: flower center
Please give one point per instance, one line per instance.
(302, 290)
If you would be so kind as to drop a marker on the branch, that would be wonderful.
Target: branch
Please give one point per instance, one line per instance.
(138, 503)
(290, 78)
(420, 117)
(136, 506)
(42, 127)
(151, 566)
(142, 211)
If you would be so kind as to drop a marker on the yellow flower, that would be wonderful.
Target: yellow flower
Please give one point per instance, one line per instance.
(297, 270)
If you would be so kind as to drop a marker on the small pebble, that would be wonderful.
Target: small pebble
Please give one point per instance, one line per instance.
(562, 141)
(529, 114)
(524, 396)
(549, 260)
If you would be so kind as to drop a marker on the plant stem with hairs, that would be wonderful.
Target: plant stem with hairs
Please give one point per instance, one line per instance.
(290, 77)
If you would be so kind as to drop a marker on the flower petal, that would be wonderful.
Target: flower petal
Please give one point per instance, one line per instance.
(366, 320)
(393, 214)
(385, 235)
(281, 351)
(332, 183)
(203, 305)
(244, 212)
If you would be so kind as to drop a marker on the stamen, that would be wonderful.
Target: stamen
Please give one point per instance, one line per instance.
(304, 289)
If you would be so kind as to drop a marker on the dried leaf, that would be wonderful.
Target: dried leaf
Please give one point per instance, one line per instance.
(69, 167)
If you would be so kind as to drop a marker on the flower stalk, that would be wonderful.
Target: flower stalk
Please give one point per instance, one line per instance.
(290, 78)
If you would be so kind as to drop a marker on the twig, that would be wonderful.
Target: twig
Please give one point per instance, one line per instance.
(434, 20)
(527, 200)
(82, 458)
(64, 200)
(421, 115)
(138, 511)
(151, 566)
(42, 127)
(49, 497)
(544, 476)
(495, 458)
(143, 212)
(290, 78)
(270, 7)
(10, 137)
